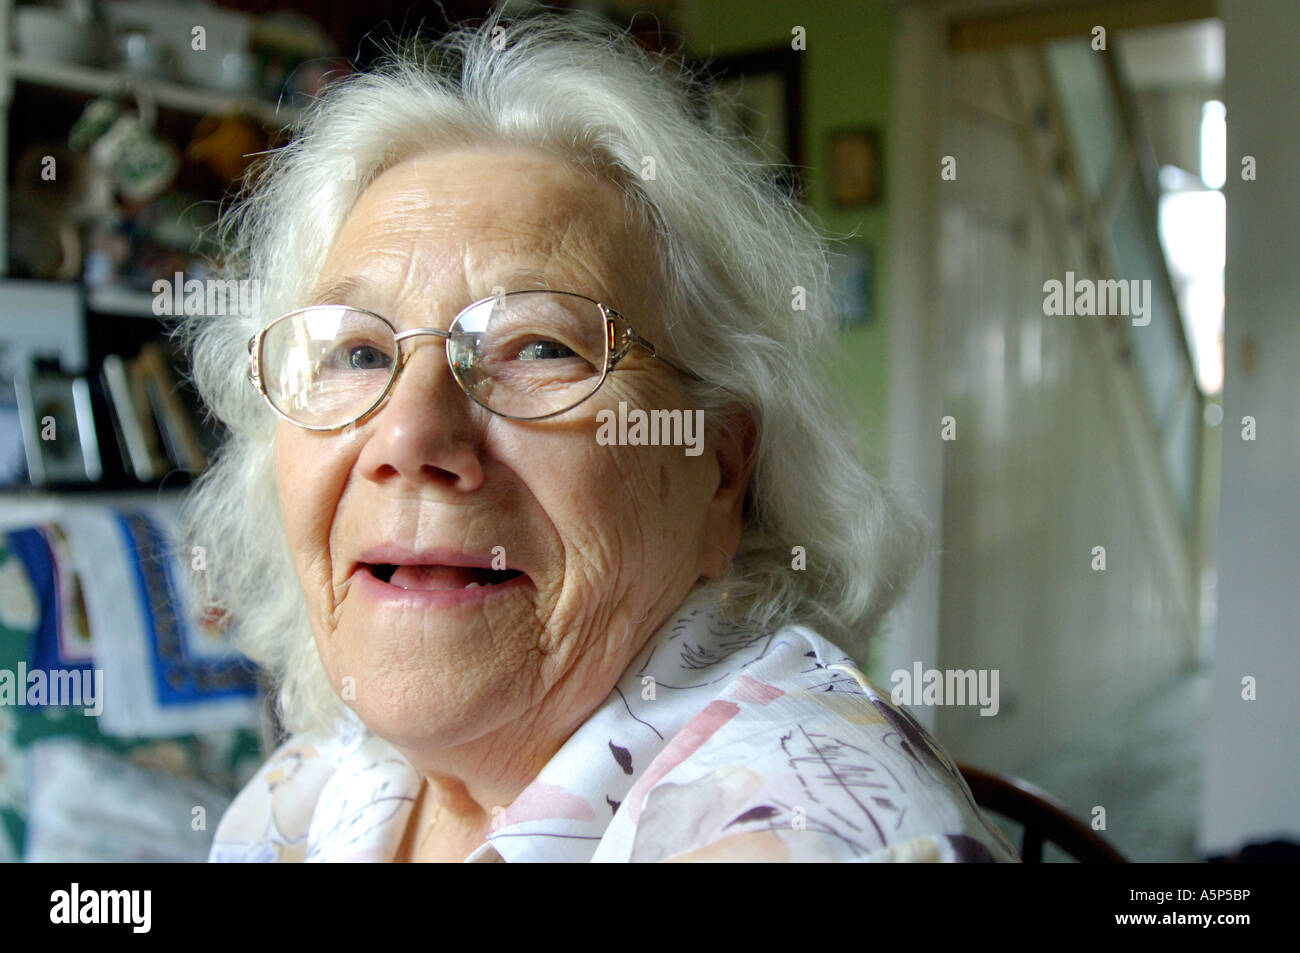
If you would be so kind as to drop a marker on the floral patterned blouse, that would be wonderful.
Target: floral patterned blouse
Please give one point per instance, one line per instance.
(716, 744)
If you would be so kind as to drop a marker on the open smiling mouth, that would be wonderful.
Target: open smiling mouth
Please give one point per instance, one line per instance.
(439, 578)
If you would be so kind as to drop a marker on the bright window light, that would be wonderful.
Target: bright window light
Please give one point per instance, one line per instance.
(1214, 144)
(1192, 228)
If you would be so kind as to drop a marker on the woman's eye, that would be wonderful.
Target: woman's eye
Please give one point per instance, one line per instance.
(367, 359)
(359, 357)
(543, 351)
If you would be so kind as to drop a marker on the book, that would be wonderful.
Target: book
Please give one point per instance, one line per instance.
(128, 421)
(179, 434)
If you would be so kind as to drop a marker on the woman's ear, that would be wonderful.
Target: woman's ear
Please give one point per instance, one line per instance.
(735, 450)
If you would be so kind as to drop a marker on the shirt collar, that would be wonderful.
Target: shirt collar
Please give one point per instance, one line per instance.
(565, 813)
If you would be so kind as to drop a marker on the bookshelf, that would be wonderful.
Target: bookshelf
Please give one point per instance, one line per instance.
(124, 340)
(148, 429)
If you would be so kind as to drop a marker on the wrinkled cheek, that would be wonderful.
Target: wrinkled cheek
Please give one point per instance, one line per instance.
(336, 653)
(602, 587)
(576, 604)
(311, 572)
(308, 505)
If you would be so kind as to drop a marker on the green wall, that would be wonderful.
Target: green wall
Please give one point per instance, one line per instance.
(846, 84)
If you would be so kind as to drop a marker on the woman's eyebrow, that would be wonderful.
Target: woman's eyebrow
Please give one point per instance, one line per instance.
(526, 280)
(350, 289)
(340, 291)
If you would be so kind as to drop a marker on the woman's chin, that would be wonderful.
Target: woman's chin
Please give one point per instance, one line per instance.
(430, 678)
(426, 722)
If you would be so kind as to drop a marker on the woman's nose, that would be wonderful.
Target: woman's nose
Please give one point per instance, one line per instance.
(428, 431)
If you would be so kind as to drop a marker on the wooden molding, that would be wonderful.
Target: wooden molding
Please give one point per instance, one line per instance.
(1036, 25)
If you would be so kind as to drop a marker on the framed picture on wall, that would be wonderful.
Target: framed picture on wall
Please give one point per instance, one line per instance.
(855, 167)
(762, 99)
(853, 283)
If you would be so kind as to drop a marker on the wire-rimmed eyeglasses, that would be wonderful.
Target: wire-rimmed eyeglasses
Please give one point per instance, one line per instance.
(523, 355)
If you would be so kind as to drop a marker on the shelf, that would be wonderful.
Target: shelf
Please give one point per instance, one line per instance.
(192, 99)
(120, 301)
(24, 506)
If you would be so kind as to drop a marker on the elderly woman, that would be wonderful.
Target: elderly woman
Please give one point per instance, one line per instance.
(536, 504)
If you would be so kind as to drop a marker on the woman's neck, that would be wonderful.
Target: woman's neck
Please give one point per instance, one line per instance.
(445, 825)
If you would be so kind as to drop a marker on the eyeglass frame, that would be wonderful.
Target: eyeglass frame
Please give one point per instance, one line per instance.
(615, 350)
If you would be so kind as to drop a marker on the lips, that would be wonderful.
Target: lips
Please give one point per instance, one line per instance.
(438, 577)
(438, 570)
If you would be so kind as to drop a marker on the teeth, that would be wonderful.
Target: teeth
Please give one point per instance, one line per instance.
(472, 585)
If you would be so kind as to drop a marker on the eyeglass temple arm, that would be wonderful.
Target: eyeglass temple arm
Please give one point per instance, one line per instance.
(254, 362)
(618, 350)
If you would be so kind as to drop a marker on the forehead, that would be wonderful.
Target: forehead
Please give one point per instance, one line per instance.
(450, 224)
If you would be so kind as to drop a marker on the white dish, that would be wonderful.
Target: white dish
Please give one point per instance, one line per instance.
(51, 35)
